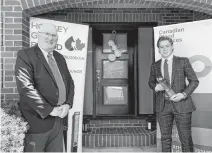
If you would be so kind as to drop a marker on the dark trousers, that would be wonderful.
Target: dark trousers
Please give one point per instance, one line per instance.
(183, 123)
(51, 141)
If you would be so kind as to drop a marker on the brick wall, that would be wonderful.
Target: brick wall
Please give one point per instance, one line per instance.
(15, 23)
(163, 16)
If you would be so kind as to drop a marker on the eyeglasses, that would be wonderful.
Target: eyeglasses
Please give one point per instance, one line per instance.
(49, 34)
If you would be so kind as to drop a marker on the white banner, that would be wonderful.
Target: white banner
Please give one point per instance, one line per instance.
(193, 40)
(72, 44)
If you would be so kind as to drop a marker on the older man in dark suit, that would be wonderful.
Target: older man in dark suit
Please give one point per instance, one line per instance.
(180, 106)
(46, 92)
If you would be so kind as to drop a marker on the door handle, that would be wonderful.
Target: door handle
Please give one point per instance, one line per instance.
(98, 79)
(97, 72)
(97, 82)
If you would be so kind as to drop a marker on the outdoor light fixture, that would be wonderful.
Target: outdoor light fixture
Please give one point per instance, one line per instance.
(150, 122)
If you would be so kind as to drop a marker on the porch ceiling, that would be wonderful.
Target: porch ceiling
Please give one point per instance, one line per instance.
(35, 7)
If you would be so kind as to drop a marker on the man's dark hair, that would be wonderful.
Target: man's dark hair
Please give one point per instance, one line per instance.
(162, 38)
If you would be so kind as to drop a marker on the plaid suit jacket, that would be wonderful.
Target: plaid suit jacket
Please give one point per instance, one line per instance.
(181, 69)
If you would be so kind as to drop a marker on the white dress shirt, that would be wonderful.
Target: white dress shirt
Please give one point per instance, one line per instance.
(45, 53)
(170, 61)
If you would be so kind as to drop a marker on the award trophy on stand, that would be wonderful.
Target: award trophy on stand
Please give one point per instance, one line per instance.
(170, 92)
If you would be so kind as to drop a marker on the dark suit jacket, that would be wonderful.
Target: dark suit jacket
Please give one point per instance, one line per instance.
(181, 69)
(37, 87)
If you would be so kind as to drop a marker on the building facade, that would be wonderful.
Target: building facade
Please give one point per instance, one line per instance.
(134, 17)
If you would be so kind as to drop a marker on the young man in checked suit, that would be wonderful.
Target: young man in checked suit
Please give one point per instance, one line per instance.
(180, 106)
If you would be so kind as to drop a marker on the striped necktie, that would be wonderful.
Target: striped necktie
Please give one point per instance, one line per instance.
(166, 73)
(58, 79)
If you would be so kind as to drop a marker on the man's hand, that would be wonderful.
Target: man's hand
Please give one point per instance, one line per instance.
(65, 109)
(177, 97)
(56, 111)
(158, 87)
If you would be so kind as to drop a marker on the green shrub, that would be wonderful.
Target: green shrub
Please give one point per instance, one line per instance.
(13, 128)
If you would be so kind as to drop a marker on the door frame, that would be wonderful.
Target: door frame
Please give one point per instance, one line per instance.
(122, 26)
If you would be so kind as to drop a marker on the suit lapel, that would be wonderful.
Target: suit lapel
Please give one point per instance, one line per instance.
(158, 69)
(174, 66)
(60, 67)
(46, 65)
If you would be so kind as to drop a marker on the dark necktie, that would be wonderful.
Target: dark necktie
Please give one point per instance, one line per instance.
(166, 74)
(58, 79)
(166, 71)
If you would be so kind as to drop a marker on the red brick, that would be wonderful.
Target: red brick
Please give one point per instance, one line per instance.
(107, 125)
(10, 84)
(13, 26)
(13, 37)
(36, 2)
(2, 97)
(8, 67)
(18, 31)
(17, 8)
(13, 48)
(15, 90)
(9, 72)
(15, 54)
(9, 31)
(118, 125)
(10, 60)
(7, 90)
(13, 14)
(2, 48)
(15, 2)
(133, 121)
(123, 121)
(11, 96)
(138, 125)
(24, 4)
(7, 8)
(30, 3)
(17, 20)
(8, 43)
(104, 121)
(8, 78)
(17, 43)
(6, 54)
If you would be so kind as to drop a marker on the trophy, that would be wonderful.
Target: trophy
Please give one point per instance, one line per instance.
(170, 92)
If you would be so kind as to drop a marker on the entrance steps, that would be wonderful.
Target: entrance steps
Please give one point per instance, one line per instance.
(119, 133)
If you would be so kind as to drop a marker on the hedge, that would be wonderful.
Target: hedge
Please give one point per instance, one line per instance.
(13, 128)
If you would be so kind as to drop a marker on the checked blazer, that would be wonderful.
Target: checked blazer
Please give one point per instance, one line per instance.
(181, 69)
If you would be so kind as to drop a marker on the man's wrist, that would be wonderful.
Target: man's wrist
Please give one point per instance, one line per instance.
(184, 95)
(69, 105)
(156, 89)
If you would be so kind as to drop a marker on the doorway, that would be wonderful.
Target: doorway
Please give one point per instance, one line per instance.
(114, 80)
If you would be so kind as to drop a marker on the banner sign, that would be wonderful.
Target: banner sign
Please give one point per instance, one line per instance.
(193, 40)
(72, 44)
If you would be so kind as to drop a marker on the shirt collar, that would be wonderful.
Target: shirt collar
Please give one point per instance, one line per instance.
(45, 53)
(169, 58)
